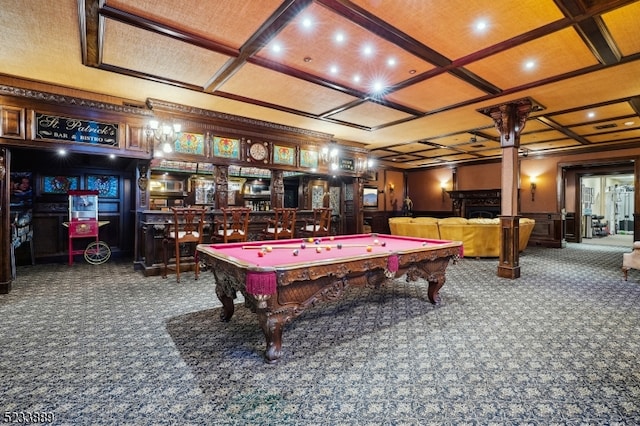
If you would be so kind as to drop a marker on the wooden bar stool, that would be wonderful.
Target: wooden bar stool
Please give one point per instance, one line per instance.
(282, 226)
(184, 231)
(319, 226)
(234, 225)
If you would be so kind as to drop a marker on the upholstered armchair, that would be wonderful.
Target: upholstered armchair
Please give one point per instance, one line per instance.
(631, 260)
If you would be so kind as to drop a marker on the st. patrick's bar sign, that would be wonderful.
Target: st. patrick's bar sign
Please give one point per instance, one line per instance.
(52, 127)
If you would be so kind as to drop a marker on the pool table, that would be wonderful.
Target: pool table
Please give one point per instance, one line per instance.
(280, 279)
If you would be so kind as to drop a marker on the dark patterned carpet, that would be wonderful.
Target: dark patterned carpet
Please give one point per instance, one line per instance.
(103, 345)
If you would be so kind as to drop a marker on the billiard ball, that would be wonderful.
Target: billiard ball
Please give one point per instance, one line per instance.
(331, 238)
(328, 248)
(260, 253)
(296, 252)
(310, 240)
(318, 249)
(316, 241)
(339, 246)
(268, 249)
(369, 248)
(303, 246)
(383, 244)
(376, 242)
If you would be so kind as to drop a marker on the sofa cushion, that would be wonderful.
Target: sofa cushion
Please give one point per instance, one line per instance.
(419, 227)
(453, 220)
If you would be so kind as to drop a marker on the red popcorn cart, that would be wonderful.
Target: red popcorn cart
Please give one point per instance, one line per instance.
(83, 223)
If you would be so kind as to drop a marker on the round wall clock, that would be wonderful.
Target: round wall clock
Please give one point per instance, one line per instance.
(258, 152)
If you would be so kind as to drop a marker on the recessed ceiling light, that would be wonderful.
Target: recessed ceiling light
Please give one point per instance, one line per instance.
(412, 72)
(339, 37)
(378, 86)
(529, 65)
(629, 123)
(306, 22)
(356, 78)
(367, 50)
(591, 114)
(480, 25)
(333, 69)
(391, 62)
(276, 48)
(307, 59)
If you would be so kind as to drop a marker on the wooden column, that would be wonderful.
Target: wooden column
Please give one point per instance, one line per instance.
(222, 186)
(636, 200)
(510, 119)
(277, 189)
(5, 222)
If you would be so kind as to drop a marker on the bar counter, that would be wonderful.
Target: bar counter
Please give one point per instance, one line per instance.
(151, 224)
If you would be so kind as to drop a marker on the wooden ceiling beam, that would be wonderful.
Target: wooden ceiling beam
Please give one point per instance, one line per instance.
(570, 134)
(272, 27)
(89, 32)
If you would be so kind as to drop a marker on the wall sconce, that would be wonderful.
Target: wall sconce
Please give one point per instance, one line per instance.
(533, 187)
(443, 186)
(164, 134)
(392, 188)
(329, 155)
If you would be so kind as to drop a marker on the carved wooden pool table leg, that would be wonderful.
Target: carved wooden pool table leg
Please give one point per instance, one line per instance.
(272, 326)
(434, 288)
(227, 304)
(434, 273)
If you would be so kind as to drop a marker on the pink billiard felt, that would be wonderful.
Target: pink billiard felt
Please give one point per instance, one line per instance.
(281, 257)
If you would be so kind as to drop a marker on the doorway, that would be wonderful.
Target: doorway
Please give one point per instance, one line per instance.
(607, 203)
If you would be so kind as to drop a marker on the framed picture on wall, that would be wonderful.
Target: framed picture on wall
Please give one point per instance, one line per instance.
(284, 155)
(21, 190)
(308, 159)
(189, 143)
(226, 147)
(370, 196)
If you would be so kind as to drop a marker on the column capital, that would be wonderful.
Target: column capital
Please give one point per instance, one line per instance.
(510, 118)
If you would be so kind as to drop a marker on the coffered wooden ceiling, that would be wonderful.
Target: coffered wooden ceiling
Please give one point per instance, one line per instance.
(413, 99)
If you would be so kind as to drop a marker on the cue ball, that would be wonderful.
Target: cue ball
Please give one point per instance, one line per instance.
(269, 249)
(376, 242)
(318, 249)
(369, 248)
(296, 252)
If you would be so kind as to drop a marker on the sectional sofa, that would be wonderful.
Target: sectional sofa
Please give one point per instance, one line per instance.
(480, 237)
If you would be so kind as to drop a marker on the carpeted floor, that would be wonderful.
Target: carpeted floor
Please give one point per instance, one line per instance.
(623, 240)
(98, 345)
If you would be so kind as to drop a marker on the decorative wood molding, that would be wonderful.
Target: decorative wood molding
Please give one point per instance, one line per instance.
(195, 111)
(71, 101)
